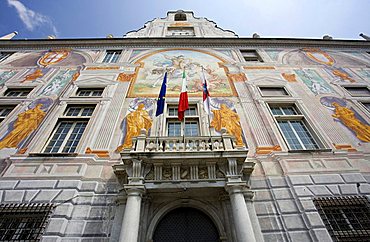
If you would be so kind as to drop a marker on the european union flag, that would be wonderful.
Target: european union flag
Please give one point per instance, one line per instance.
(161, 97)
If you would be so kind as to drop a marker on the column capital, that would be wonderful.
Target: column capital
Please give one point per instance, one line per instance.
(135, 190)
(236, 187)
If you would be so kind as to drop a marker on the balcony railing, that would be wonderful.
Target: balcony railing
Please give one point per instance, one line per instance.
(184, 144)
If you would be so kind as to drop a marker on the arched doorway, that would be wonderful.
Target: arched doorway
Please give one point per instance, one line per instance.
(186, 225)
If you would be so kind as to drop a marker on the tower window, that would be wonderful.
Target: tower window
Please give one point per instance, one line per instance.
(180, 17)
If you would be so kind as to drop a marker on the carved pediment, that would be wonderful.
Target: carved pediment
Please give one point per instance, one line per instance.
(101, 80)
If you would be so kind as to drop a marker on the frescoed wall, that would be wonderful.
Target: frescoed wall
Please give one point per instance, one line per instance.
(348, 117)
(50, 59)
(153, 66)
(138, 116)
(58, 82)
(25, 123)
(6, 75)
(314, 81)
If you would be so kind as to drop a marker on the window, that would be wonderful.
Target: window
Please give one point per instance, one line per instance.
(366, 105)
(346, 218)
(21, 92)
(358, 91)
(69, 129)
(180, 17)
(181, 31)
(5, 55)
(4, 111)
(293, 127)
(90, 92)
(111, 56)
(273, 91)
(251, 56)
(23, 222)
(188, 127)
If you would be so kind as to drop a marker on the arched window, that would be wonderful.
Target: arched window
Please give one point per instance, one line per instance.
(180, 17)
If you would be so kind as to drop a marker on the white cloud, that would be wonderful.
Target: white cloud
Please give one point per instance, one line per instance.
(30, 18)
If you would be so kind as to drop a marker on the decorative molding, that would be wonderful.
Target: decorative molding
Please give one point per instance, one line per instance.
(102, 68)
(346, 147)
(124, 77)
(259, 67)
(239, 77)
(289, 77)
(263, 150)
(99, 153)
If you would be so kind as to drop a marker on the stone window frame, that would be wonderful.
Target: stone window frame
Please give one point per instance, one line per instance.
(347, 87)
(173, 118)
(305, 120)
(115, 58)
(255, 58)
(74, 120)
(100, 89)
(5, 55)
(19, 90)
(3, 113)
(260, 87)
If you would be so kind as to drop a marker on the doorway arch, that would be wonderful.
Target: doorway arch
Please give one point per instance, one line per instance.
(186, 224)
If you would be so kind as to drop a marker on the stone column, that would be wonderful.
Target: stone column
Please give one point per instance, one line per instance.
(131, 219)
(242, 221)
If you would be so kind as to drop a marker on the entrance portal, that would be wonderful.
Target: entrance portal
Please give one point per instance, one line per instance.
(186, 225)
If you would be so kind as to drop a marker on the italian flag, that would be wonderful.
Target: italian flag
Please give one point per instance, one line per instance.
(183, 102)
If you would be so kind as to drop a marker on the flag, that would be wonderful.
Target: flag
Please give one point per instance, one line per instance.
(161, 98)
(183, 102)
(206, 96)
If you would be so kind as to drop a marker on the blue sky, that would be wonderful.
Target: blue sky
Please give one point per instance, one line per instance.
(342, 19)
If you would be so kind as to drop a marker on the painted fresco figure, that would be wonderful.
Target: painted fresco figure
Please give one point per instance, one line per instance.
(348, 118)
(137, 120)
(26, 122)
(226, 118)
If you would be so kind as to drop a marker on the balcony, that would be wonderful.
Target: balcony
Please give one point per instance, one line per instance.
(199, 159)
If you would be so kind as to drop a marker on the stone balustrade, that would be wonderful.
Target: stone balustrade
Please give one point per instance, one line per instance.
(184, 144)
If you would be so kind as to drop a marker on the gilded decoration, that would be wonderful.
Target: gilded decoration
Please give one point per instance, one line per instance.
(102, 68)
(239, 77)
(259, 67)
(33, 76)
(151, 68)
(319, 56)
(267, 149)
(342, 75)
(123, 77)
(135, 122)
(25, 124)
(345, 147)
(348, 118)
(179, 24)
(289, 77)
(226, 118)
(53, 57)
(99, 153)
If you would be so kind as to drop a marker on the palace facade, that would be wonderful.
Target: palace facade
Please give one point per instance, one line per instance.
(283, 154)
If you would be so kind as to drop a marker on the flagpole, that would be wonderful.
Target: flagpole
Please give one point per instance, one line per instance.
(208, 114)
(184, 114)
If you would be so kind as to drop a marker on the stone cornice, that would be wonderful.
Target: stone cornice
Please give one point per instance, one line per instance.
(181, 42)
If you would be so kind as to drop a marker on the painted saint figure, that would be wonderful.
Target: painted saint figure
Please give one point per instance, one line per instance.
(226, 118)
(348, 118)
(137, 120)
(26, 122)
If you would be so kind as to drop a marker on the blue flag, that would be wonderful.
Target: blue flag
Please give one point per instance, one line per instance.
(161, 97)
